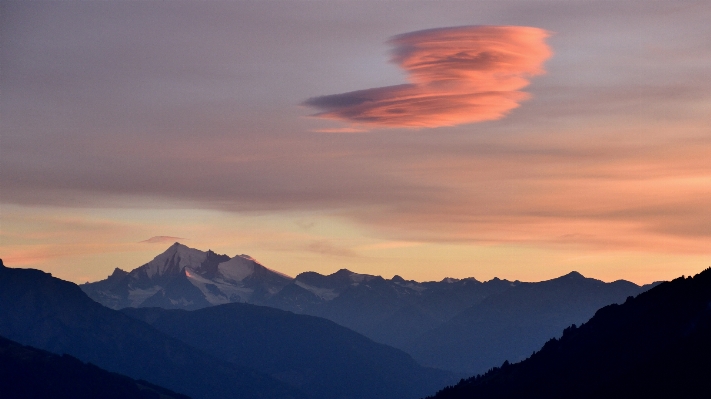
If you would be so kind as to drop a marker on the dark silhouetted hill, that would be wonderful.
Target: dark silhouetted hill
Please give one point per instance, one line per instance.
(39, 310)
(511, 324)
(316, 355)
(657, 345)
(30, 373)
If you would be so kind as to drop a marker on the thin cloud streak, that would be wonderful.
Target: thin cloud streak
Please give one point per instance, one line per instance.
(161, 240)
(458, 76)
(640, 197)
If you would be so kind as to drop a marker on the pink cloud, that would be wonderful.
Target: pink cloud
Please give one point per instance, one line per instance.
(457, 76)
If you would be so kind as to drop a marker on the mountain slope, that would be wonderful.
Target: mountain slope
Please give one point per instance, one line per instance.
(656, 345)
(316, 355)
(29, 373)
(465, 325)
(51, 314)
(187, 278)
(394, 312)
(511, 324)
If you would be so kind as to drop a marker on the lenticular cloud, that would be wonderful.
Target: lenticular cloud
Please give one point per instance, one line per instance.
(457, 75)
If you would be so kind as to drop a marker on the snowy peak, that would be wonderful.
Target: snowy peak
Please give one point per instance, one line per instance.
(188, 278)
(243, 266)
(237, 268)
(245, 256)
(360, 278)
(173, 261)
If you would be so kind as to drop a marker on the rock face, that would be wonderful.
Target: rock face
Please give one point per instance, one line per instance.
(187, 278)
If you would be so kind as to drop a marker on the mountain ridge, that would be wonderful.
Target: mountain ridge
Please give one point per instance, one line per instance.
(654, 345)
(432, 321)
(315, 355)
(168, 280)
(28, 372)
(54, 315)
(47, 313)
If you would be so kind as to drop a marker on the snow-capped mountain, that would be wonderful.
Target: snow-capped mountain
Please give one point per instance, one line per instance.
(187, 278)
(462, 325)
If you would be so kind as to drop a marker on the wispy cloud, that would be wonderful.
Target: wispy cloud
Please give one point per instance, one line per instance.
(457, 75)
(161, 239)
(325, 247)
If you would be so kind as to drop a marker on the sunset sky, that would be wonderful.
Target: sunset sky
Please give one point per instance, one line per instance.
(428, 139)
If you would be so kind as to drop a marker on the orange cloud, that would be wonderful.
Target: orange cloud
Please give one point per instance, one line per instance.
(457, 75)
(603, 192)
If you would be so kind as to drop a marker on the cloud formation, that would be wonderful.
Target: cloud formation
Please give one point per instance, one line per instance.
(138, 107)
(457, 75)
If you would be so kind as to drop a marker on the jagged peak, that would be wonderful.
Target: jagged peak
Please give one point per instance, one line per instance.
(574, 274)
(181, 248)
(1, 264)
(182, 254)
(177, 245)
(118, 273)
(357, 277)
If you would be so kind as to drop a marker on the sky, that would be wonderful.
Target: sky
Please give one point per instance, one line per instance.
(426, 139)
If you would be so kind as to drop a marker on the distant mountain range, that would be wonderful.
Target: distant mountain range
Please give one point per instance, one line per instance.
(228, 351)
(31, 373)
(464, 325)
(511, 324)
(657, 345)
(654, 345)
(187, 278)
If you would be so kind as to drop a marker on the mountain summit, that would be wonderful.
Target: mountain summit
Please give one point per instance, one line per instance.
(187, 278)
